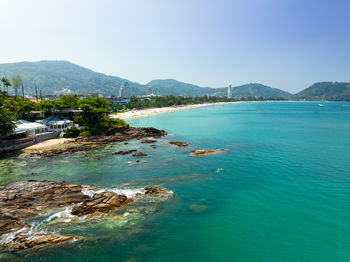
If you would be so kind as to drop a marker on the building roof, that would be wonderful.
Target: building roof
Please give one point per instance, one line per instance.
(23, 125)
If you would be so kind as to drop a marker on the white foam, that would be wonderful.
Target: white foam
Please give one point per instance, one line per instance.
(128, 192)
(66, 213)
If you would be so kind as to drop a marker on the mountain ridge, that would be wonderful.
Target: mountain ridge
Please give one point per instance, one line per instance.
(62, 76)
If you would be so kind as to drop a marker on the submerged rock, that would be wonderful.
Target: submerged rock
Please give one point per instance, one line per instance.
(180, 144)
(204, 152)
(198, 208)
(149, 141)
(139, 154)
(153, 146)
(126, 152)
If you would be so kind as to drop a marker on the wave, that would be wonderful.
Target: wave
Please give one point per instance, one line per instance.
(129, 192)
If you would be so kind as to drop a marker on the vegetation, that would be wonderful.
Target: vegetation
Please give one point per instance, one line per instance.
(162, 101)
(7, 116)
(94, 118)
(331, 91)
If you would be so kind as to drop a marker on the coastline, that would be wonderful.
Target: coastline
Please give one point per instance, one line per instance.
(160, 110)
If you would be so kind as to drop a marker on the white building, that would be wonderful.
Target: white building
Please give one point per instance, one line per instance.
(229, 91)
(56, 124)
(30, 128)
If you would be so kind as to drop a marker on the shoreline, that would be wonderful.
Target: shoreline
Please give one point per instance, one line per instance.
(160, 110)
(48, 143)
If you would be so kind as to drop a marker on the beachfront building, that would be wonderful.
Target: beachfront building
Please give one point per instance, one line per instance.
(56, 124)
(29, 128)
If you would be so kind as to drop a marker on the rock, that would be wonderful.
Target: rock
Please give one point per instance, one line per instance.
(9, 223)
(157, 191)
(139, 154)
(125, 152)
(153, 146)
(22, 200)
(101, 202)
(204, 152)
(180, 144)
(198, 208)
(149, 141)
(93, 142)
(23, 240)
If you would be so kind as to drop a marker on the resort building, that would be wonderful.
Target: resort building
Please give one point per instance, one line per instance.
(56, 124)
(29, 128)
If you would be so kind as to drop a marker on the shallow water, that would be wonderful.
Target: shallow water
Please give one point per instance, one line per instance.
(283, 193)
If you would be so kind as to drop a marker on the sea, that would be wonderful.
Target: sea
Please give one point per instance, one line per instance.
(280, 192)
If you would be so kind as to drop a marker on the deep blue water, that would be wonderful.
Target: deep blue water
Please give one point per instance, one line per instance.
(283, 193)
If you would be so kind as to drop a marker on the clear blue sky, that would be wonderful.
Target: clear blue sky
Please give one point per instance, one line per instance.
(287, 44)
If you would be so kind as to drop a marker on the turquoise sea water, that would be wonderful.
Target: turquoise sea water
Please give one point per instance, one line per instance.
(283, 193)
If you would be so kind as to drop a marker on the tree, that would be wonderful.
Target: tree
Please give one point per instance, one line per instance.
(16, 83)
(7, 116)
(6, 83)
(95, 117)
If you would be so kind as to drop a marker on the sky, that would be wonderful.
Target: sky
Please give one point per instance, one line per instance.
(286, 44)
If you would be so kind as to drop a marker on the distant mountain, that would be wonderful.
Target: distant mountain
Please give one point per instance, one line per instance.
(258, 90)
(62, 77)
(332, 91)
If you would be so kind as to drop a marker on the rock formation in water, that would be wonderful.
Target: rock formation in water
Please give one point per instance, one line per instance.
(112, 135)
(149, 141)
(126, 152)
(22, 200)
(139, 154)
(204, 152)
(180, 144)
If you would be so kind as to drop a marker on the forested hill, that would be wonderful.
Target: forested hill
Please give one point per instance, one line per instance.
(331, 91)
(62, 77)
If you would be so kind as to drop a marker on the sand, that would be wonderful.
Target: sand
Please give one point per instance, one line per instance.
(48, 143)
(152, 111)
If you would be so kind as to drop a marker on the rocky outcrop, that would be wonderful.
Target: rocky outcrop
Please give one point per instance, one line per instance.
(21, 240)
(126, 152)
(139, 154)
(180, 144)
(204, 152)
(156, 191)
(22, 200)
(101, 203)
(112, 135)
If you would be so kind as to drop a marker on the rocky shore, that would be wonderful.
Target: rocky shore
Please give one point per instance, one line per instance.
(23, 200)
(93, 142)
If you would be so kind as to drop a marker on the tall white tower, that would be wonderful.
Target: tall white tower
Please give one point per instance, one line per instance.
(229, 94)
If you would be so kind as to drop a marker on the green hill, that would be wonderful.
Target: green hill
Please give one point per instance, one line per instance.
(332, 91)
(62, 77)
(57, 76)
(174, 87)
(258, 90)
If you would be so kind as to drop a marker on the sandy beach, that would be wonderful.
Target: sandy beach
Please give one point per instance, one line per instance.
(48, 143)
(152, 111)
